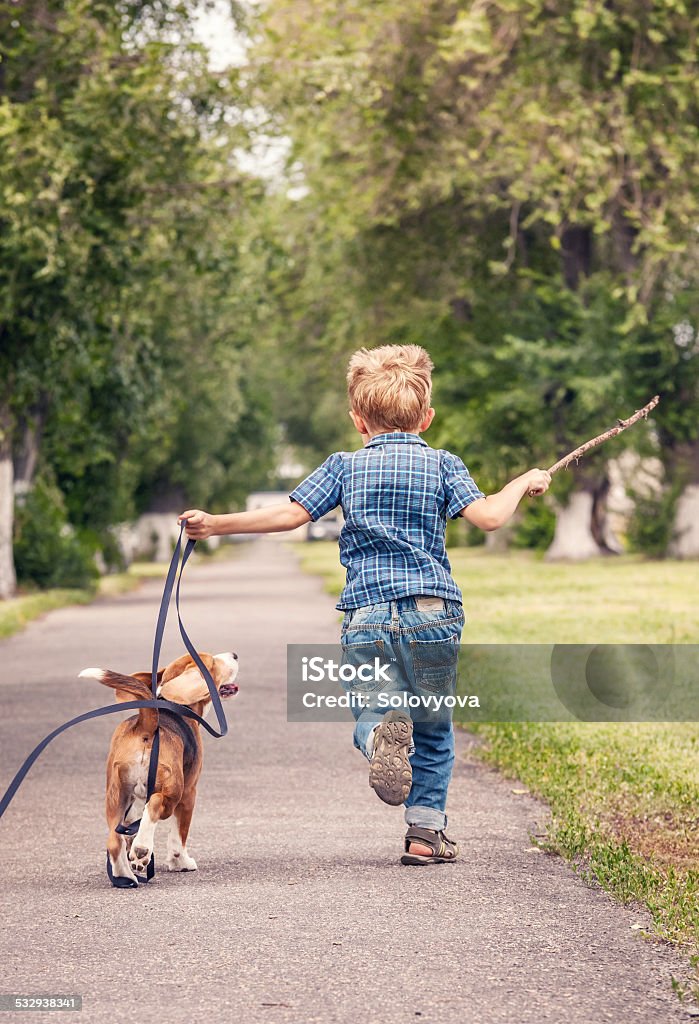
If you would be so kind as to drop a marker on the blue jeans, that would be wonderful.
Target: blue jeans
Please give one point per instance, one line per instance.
(419, 637)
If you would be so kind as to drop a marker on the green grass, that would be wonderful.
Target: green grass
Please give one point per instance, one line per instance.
(624, 798)
(519, 598)
(16, 612)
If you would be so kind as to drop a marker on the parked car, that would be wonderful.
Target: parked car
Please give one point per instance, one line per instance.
(327, 527)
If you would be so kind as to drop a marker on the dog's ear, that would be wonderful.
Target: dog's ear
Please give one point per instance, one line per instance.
(126, 687)
(181, 664)
(186, 688)
(183, 683)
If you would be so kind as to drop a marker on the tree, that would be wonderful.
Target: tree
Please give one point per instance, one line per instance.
(513, 184)
(116, 167)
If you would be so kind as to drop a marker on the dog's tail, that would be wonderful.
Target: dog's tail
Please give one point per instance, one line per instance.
(127, 688)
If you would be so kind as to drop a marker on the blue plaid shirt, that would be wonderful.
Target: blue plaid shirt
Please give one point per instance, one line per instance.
(396, 493)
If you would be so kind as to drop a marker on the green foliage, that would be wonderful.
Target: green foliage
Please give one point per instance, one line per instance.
(515, 191)
(126, 324)
(651, 525)
(48, 552)
(536, 527)
(460, 533)
(514, 187)
(400, 107)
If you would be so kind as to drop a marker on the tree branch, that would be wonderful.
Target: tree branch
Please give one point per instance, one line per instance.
(612, 432)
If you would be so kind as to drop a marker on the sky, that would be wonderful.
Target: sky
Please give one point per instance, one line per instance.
(216, 30)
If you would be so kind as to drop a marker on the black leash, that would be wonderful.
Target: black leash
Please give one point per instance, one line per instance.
(156, 702)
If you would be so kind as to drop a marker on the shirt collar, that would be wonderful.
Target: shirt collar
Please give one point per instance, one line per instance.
(396, 437)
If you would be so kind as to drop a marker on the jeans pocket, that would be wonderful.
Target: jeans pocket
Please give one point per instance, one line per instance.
(435, 664)
(361, 655)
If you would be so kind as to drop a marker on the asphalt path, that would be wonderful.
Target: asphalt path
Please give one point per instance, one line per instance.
(300, 909)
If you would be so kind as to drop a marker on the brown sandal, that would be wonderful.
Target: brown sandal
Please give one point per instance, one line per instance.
(390, 773)
(444, 849)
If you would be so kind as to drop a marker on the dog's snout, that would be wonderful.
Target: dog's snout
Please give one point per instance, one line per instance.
(229, 658)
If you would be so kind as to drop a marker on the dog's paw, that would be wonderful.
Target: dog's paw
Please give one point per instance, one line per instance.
(140, 856)
(180, 862)
(120, 873)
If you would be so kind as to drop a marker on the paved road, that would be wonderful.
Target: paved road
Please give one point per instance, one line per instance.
(300, 910)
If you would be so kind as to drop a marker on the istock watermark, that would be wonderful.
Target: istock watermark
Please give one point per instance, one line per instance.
(494, 682)
(318, 669)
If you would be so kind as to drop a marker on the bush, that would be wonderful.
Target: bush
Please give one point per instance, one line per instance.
(460, 534)
(536, 527)
(651, 524)
(48, 553)
(110, 557)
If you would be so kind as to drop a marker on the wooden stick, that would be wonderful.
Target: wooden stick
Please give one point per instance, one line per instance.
(612, 432)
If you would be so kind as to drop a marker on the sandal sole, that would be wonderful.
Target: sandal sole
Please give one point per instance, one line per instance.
(416, 861)
(390, 774)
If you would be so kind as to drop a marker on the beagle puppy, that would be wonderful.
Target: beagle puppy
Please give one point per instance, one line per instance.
(179, 762)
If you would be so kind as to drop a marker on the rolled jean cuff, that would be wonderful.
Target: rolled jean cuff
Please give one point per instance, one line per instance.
(426, 817)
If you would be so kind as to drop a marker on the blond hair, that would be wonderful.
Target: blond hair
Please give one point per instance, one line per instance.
(390, 387)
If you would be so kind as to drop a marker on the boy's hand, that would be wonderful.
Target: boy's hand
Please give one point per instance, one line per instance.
(538, 481)
(200, 524)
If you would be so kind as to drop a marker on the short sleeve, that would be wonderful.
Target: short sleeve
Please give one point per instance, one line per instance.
(459, 486)
(321, 491)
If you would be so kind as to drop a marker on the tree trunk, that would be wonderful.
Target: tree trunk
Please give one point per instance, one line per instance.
(686, 526)
(8, 581)
(576, 254)
(583, 529)
(26, 454)
(600, 525)
(685, 542)
(581, 525)
(573, 538)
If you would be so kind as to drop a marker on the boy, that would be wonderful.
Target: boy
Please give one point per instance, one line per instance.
(399, 599)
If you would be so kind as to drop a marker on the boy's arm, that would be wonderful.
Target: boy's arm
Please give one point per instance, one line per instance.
(317, 494)
(494, 510)
(272, 519)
